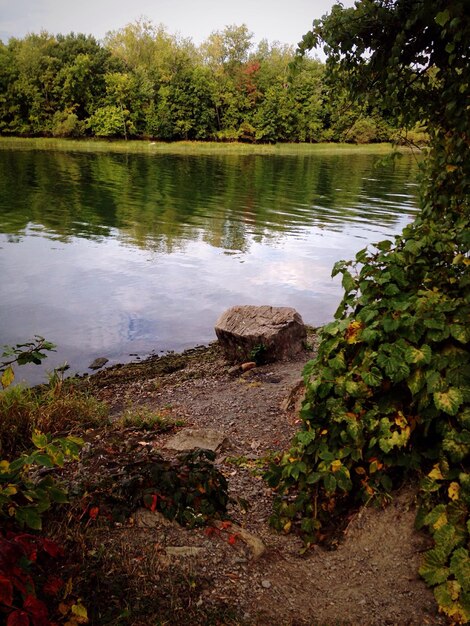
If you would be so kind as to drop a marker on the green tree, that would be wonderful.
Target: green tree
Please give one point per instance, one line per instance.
(389, 393)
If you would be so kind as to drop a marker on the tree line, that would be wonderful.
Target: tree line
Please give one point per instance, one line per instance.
(142, 82)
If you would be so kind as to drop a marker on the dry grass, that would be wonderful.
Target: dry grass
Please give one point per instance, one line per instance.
(57, 408)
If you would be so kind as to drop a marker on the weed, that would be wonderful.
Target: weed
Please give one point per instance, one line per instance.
(56, 407)
(145, 419)
(258, 354)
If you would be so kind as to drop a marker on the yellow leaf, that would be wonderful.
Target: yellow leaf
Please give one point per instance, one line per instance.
(10, 490)
(68, 588)
(287, 526)
(353, 331)
(436, 473)
(441, 521)
(400, 420)
(451, 168)
(324, 432)
(454, 491)
(360, 470)
(79, 613)
(8, 377)
(4, 465)
(335, 465)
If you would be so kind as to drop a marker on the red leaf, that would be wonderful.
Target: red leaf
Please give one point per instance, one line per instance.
(225, 525)
(52, 548)
(6, 591)
(18, 618)
(53, 586)
(29, 545)
(21, 579)
(232, 540)
(153, 506)
(94, 512)
(10, 553)
(37, 609)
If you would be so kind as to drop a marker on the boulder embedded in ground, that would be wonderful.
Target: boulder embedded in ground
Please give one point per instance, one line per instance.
(192, 438)
(265, 332)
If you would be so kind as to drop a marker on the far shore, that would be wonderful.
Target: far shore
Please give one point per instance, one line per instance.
(189, 147)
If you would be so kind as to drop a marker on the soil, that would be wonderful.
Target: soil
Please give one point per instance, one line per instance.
(135, 575)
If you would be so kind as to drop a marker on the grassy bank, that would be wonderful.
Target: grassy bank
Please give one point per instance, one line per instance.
(185, 147)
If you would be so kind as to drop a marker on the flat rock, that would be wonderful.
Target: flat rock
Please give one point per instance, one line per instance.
(144, 518)
(97, 363)
(255, 544)
(273, 333)
(191, 438)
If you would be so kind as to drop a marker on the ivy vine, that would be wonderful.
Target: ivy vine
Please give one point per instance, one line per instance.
(388, 396)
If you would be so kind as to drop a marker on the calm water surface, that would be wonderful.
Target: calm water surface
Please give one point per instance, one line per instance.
(120, 255)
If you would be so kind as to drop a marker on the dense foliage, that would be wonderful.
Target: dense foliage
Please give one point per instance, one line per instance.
(388, 395)
(144, 82)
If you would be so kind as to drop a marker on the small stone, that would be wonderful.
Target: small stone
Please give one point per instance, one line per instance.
(97, 363)
(183, 550)
(266, 584)
(248, 366)
(233, 371)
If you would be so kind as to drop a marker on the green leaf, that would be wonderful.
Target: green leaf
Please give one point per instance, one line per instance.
(460, 567)
(58, 495)
(394, 366)
(313, 478)
(416, 381)
(348, 282)
(44, 460)
(433, 568)
(329, 481)
(434, 381)
(372, 377)
(384, 245)
(448, 401)
(40, 440)
(442, 18)
(306, 436)
(457, 445)
(461, 333)
(419, 355)
(28, 516)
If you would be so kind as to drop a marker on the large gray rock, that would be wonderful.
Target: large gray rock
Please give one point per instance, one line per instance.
(242, 330)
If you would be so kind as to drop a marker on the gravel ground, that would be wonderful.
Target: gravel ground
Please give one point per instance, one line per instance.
(371, 578)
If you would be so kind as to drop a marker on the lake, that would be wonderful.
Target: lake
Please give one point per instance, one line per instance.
(124, 254)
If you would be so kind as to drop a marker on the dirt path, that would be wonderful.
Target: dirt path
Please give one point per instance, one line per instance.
(370, 579)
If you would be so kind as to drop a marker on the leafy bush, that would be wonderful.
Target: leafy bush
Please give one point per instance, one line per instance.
(26, 492)
(66, 124)
(28, 583)
(388, 395)
(189, 489)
